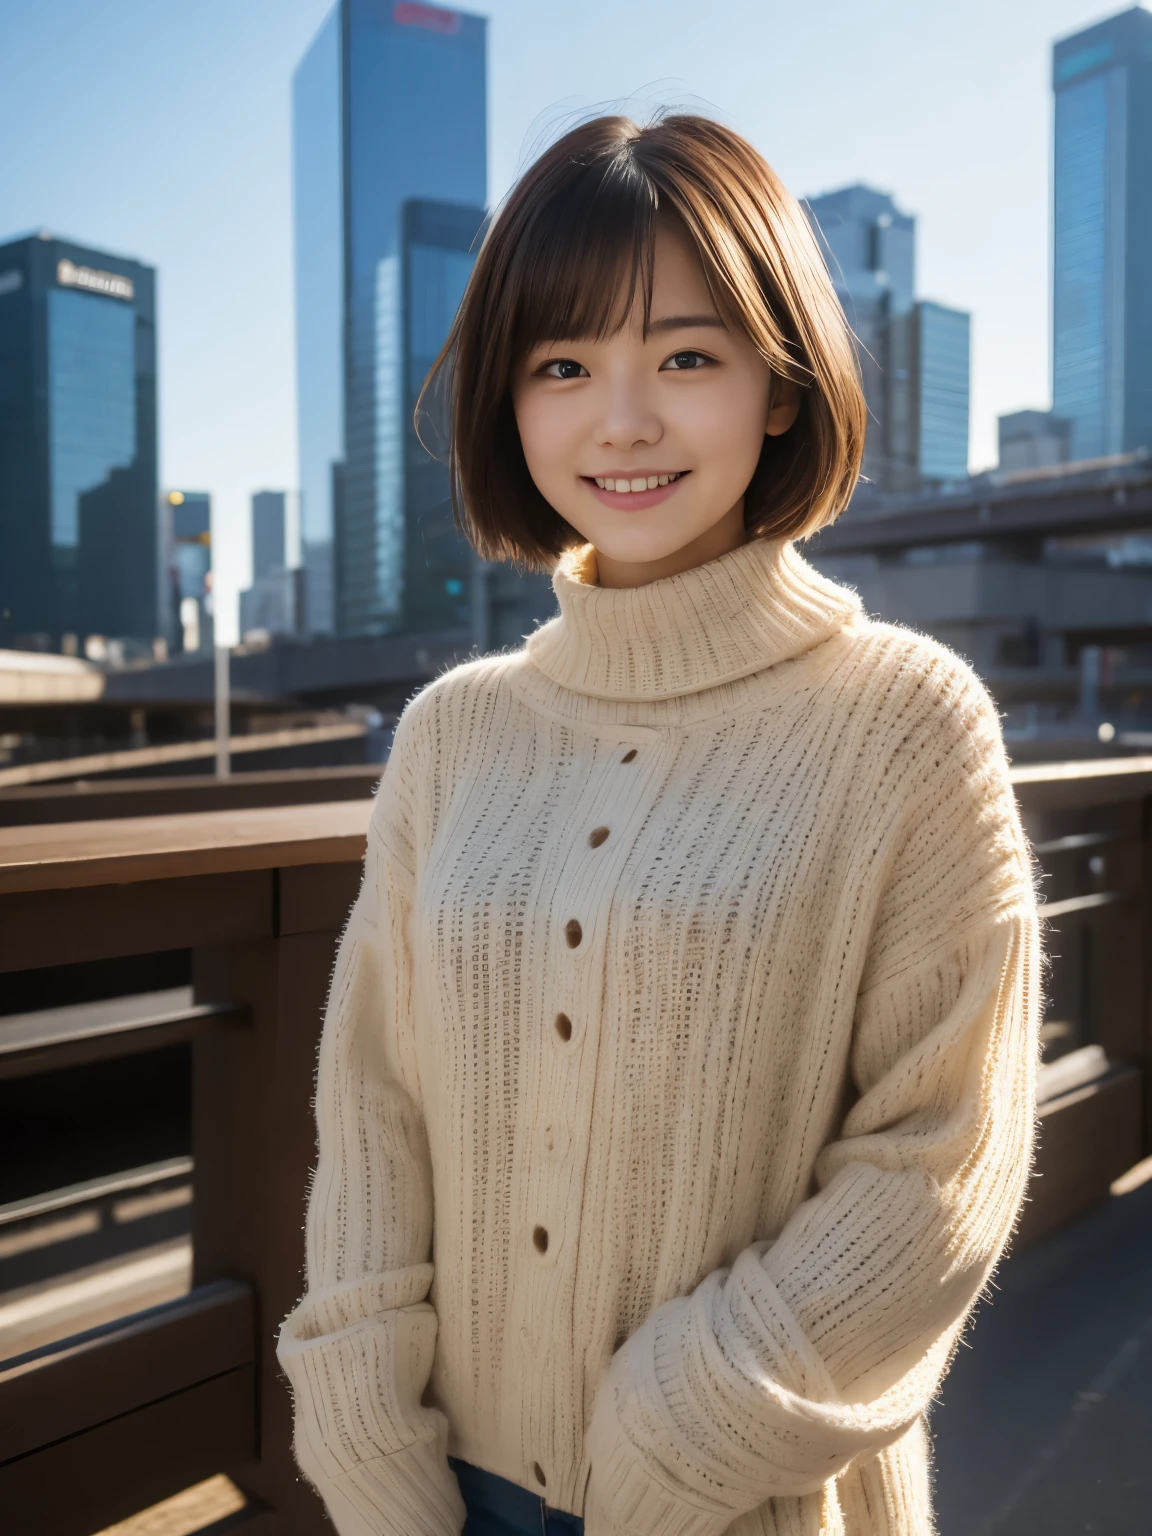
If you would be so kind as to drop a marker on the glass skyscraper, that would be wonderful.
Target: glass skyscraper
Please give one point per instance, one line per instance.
(272, 602)
(269, 531)
(870, 249)
(1102, 237)
(189, 540)
(78, 495)
(390, 172)
(940, 400)
(438, 246)
(913, 354)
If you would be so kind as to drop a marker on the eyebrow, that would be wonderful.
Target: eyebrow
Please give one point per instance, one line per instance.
(687, 322)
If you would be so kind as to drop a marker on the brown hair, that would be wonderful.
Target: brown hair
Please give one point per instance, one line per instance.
(578, 231)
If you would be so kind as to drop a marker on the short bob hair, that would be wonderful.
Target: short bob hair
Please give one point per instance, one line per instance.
(562, 261)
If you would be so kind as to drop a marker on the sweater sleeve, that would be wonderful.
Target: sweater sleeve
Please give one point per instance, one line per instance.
(828, 1342)
(358, 1348)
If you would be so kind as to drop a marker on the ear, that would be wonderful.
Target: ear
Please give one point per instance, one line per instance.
(783, 405)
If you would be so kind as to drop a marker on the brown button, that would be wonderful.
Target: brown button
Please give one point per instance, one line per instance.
(540, 1238)
(564, 1026)
(573, 932)
(539, 1471)
(629, 755)
(600, 835)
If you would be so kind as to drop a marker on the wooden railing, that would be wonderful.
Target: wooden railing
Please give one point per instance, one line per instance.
(102, 799)
(1089, 823)
(213, 935)
(96, 1426)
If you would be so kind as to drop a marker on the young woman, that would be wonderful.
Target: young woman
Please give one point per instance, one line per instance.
(675, 1094)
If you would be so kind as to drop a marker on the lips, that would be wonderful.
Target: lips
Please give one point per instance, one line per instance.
(650, 490)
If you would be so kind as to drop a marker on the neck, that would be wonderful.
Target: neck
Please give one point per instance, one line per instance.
(729, 533)
(750, 608)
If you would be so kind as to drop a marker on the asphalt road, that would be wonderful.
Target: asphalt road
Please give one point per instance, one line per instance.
(1045, 1422)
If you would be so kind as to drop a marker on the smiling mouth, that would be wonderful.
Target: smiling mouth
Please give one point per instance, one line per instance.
(637, 482)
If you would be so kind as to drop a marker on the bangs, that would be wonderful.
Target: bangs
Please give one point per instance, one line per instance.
(588, 249)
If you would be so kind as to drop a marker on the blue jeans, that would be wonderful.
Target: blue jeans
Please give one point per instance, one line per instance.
(497, 1507)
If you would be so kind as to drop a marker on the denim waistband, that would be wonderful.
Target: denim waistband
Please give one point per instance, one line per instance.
(498, 1507)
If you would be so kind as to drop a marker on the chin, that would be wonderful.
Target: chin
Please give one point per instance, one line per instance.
(636, 544)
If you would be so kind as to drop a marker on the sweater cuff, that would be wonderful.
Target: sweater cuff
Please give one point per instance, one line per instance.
(343, 1306)
(376, 1456)
(410, 1493)
(625, 1497)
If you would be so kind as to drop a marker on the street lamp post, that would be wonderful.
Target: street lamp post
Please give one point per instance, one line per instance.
(223, 712)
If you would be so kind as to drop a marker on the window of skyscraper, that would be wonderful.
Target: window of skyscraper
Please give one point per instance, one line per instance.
(92, 400)
(438, 278)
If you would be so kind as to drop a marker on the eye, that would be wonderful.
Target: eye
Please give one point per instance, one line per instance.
(683, 361)
(563, 368)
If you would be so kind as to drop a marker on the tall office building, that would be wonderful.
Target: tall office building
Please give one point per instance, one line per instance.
(438, 246)
(273, 602)
(269, 532)
(870, 249)
(188, 540)
(1102, 236)
(940, 373)
(78, 498)
(390, 173)
(1032, 440)
(913, 354)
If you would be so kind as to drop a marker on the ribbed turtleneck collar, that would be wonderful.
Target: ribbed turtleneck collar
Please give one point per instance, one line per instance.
(757, 605)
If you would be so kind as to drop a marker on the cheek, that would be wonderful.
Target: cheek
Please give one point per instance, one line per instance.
(546, 433)
(726, 424)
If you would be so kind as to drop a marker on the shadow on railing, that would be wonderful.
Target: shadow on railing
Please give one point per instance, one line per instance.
(164, 977)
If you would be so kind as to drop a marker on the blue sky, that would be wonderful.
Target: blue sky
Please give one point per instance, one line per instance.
(161, 130)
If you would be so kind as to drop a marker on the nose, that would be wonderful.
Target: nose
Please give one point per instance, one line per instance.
(627, 418)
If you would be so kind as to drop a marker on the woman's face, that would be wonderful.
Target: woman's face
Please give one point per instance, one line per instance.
(647, 446)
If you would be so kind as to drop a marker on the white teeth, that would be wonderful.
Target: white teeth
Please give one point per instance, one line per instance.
(640, 483)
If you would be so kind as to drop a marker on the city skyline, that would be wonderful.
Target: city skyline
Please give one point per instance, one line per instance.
(983, 103)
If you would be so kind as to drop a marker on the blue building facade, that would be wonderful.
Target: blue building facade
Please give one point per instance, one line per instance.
(1102, 235)
(438, 243)
(78, 495)
(869, 246)
(389, 113)
(189, 539)
(913, 354)
(941, 371)
(269, 532)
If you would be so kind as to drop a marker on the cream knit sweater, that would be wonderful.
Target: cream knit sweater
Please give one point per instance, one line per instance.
(676, 1088)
